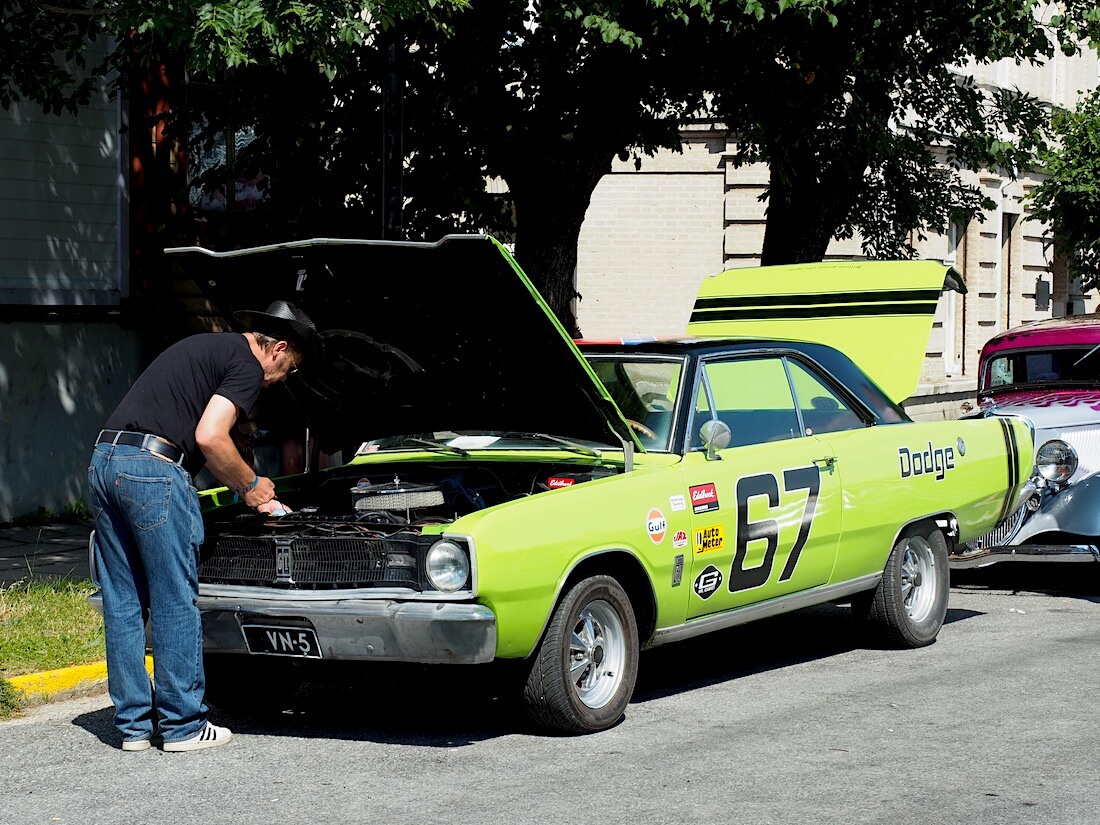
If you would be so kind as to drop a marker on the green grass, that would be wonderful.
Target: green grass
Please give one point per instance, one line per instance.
(9, 700)
(46, 625)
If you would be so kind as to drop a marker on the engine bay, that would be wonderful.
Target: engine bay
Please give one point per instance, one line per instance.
(374, 502)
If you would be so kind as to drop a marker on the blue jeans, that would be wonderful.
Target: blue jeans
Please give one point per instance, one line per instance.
(148, 531)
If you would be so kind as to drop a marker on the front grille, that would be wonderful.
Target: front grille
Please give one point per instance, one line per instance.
(312, 562)
(999, 535)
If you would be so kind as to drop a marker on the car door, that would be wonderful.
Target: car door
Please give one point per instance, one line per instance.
(765, 510)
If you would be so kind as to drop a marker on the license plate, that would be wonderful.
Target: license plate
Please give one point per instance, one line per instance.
(282, 641)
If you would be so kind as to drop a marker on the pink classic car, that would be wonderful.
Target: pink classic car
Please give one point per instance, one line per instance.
(1048, 373)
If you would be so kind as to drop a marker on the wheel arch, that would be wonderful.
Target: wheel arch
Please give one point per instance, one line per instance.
(945, 522)
(629, 572)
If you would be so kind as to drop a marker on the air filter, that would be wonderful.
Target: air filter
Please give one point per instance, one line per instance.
(396, 496)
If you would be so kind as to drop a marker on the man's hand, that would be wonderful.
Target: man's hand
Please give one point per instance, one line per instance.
(274, 508)
(263, 493)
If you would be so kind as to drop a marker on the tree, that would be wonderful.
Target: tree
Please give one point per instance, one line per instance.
(865, 114)
(1069, 199)
(43, 43)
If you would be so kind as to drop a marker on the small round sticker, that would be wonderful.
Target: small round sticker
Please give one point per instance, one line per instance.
(656, 525)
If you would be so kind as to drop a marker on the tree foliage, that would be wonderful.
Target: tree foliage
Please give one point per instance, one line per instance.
(866, 114)
(863, 109)
(42, 43)
(1069, 199)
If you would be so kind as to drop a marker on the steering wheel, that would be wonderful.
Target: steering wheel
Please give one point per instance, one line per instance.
(642, 428)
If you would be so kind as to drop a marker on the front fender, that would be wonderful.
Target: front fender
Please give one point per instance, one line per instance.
(1074, 510)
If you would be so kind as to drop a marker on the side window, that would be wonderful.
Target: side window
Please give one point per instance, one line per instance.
(753, 397)
(823, 411)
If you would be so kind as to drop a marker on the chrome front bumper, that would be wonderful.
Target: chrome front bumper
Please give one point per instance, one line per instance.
(971, 558)
(358, 629)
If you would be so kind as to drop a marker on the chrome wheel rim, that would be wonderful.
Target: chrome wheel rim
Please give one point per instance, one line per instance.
(918, 578)
(597, 653)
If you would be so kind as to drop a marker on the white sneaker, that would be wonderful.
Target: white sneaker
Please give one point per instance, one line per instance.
(136, 744)
(209, 737)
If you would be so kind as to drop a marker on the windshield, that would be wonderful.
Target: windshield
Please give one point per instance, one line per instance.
(645, 390)
(1069, 365)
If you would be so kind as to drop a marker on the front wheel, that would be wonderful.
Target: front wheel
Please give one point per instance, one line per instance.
(583, 674)
(909, 606)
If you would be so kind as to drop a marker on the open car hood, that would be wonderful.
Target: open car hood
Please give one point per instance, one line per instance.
(878, 313)
(418, 338)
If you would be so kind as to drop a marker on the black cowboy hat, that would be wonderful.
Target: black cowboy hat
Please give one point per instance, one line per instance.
(285, 322)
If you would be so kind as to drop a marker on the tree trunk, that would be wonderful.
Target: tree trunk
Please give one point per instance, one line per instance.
(550, 208)
(800, 225)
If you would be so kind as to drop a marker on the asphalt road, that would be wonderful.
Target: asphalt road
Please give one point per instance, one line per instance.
(784, 721)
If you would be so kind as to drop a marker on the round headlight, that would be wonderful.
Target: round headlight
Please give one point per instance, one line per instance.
(448, 566)
(1056, 461)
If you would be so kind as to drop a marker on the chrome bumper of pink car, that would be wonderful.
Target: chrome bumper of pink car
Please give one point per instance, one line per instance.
(985, 556)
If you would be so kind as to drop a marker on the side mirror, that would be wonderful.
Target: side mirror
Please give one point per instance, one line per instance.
(716, 436)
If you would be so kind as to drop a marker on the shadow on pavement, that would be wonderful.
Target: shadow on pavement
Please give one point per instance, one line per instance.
(1079, 581)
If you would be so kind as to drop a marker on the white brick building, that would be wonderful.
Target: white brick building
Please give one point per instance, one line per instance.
(652, 235)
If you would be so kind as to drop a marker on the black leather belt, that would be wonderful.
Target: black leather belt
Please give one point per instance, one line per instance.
(147, 441)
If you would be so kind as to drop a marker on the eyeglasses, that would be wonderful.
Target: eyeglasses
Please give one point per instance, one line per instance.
(295, 361)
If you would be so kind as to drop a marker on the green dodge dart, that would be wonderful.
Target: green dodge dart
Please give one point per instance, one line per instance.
(516, 495)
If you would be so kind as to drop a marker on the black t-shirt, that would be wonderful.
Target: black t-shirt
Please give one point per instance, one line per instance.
(169, 398)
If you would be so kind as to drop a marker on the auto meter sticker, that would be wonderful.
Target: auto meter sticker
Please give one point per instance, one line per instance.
(710, 538)
(677, 503)
(707, 582)
(704, 498)
(656, 525)
(680, 538)
(555, 482)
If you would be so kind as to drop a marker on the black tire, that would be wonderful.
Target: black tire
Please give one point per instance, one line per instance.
(583, 674)
(909, 606)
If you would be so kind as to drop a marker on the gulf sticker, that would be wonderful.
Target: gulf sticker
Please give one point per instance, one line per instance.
(656, 525)
(704, 498)
(554, 482)
(679, 538)
(710, 538)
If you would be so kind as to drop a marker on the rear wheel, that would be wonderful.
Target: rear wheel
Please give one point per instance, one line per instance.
(909, 606)
(583, 675)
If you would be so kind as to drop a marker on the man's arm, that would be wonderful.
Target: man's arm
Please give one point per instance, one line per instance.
(223, 459)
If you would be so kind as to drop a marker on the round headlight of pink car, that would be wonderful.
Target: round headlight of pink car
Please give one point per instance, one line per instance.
(1056, 461)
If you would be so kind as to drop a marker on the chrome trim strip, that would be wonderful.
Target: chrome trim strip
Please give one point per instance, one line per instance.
(984, 557)
(774, 607)
(359, 594)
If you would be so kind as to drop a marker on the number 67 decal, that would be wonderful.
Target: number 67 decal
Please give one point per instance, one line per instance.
(766, 484)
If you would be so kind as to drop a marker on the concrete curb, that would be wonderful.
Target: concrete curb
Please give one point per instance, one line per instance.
(50, 682)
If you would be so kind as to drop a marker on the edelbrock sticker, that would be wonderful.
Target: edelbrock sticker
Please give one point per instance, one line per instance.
(704, 498)
(556, 482)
